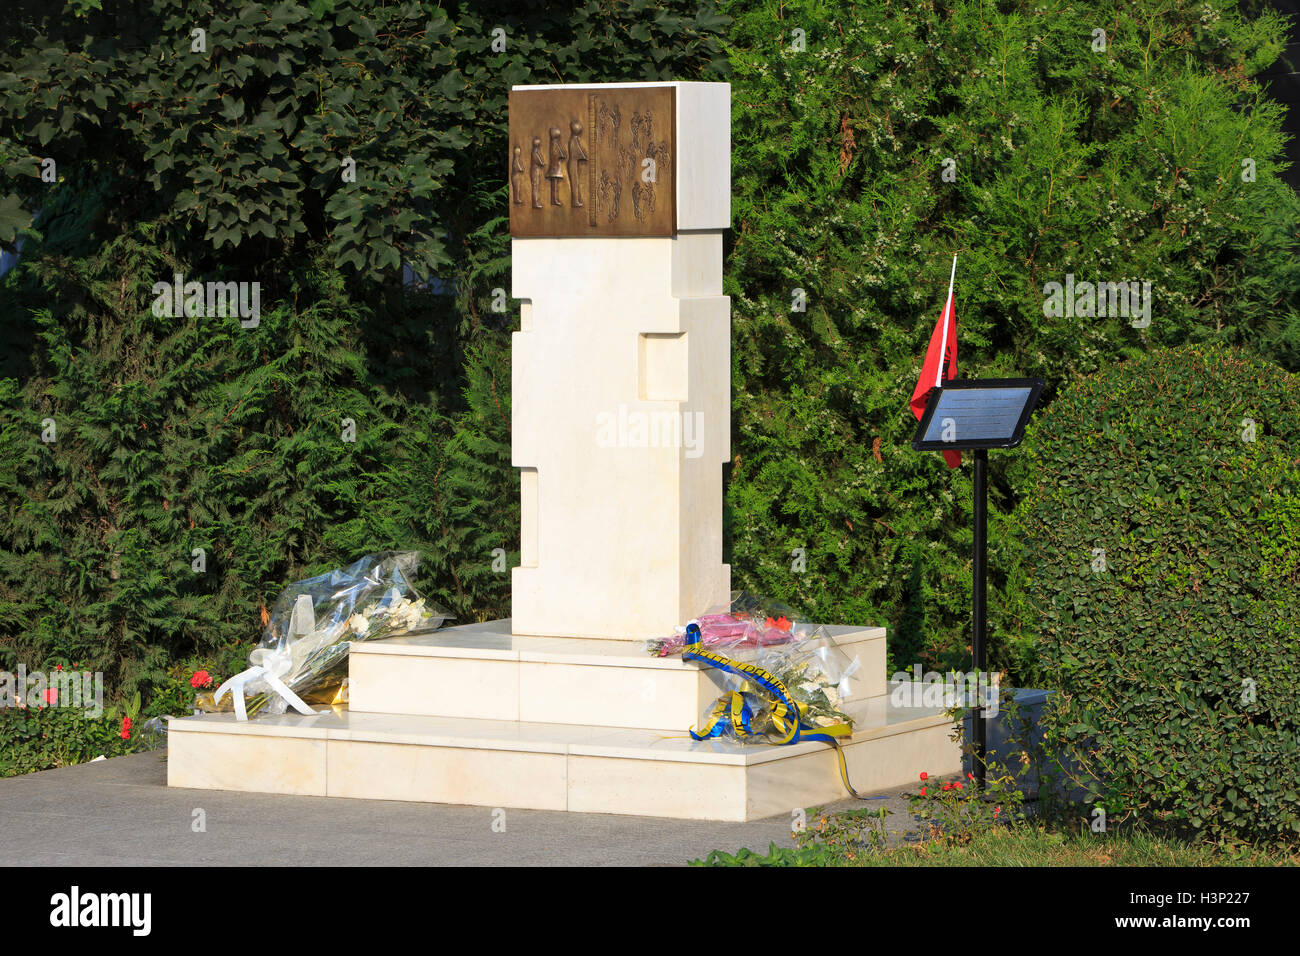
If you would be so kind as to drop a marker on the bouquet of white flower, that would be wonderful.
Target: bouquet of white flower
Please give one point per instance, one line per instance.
(815, 672)
(304, 648)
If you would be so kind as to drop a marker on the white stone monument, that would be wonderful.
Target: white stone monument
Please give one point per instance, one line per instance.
(621, 386)
(619, 195)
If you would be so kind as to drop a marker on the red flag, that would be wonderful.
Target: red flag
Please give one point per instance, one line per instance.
(940, 362)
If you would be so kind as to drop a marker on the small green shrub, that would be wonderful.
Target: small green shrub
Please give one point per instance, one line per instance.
(1162, 551)
(956, 810)
(775, 856)
(43, 737)
(38, 736)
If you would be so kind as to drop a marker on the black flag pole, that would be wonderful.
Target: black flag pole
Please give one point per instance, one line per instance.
(979, 565)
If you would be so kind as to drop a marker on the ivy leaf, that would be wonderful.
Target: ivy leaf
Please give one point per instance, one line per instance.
(13, 218)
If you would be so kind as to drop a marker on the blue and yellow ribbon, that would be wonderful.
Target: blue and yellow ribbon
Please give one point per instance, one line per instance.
(745, 715)
(731, 713)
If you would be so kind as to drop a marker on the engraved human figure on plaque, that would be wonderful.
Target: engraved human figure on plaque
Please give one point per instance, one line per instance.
(517, 176)
(539, 164)
(611, 193)
(555, 172)
(577, 158)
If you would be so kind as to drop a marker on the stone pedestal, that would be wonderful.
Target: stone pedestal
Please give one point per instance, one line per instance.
(478, 715)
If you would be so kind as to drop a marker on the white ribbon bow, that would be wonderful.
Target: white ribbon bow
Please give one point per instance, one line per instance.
(846, 689)
(274, 664)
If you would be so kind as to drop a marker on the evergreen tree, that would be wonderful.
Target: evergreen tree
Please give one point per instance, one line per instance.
(873, 140)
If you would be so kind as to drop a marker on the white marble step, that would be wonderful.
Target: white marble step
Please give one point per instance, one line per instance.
(594, 769)
(484, 671)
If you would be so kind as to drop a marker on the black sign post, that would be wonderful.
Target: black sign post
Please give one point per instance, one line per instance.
(978, 414)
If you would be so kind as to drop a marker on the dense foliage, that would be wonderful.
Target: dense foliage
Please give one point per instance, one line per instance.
(1122, 164)
(181, 433)
(361, 412)
(1162, 560)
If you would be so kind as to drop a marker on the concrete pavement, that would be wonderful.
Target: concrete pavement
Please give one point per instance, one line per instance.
(120, 813)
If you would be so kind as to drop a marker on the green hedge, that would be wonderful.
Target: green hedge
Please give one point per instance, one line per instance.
(1114, 164)
(1111, 165)
(177, 434)
(1162, 561)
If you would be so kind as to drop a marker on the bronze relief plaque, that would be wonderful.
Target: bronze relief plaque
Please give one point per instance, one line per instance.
(593, 162)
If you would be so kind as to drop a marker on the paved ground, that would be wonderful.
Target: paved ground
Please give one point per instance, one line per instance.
(120, 813)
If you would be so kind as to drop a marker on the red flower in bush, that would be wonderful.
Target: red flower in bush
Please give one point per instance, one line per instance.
(126, 728)
(947, 786)
(923, 791)
(924, 775)
(201, 679)
(957, 784)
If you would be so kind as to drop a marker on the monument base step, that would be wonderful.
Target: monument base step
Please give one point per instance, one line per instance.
(585, 769)
(485, 671)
